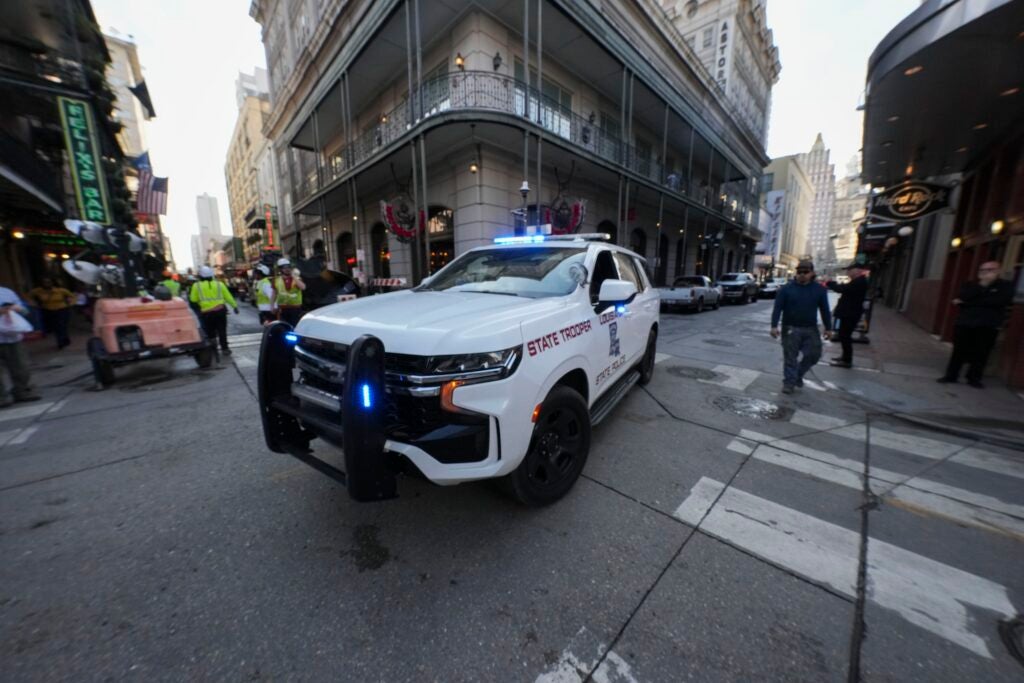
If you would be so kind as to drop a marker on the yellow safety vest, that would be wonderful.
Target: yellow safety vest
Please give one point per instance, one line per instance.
(287, 297)
(211, 295)
(261, 298)
(173, 286)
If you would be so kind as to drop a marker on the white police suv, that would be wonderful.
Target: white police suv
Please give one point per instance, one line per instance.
(496, 366)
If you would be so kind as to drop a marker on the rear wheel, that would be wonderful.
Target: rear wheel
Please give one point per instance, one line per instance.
(204, 358)
(558, 450)
(650, 356)
(102, 370)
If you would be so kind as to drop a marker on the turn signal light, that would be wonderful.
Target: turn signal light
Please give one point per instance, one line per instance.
(536, 414)
(447, 391)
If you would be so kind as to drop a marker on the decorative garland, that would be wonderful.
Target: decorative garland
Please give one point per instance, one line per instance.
(401, 222)
(567, 216)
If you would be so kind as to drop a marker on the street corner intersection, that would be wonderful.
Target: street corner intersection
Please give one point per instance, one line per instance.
(720, 531)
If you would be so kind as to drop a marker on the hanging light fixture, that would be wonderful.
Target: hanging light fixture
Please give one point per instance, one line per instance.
(474, 164)
(997, 227)
(956, 242)
(460, 61)
(497, 61)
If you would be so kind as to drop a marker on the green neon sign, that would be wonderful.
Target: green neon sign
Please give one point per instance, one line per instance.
(86, 171)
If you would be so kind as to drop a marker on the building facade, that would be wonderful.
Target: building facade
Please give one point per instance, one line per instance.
(822, 175)
(210, 236)
(733, 43)
(848, 211)
(248, 169)
(406, 133)
(787, 198)
(932, 61)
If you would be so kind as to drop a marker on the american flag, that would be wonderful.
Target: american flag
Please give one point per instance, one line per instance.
(152, 196)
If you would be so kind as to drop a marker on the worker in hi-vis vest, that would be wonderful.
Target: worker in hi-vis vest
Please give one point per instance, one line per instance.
(288, 288)
(172, 285)
(213, 298)
(264, 289)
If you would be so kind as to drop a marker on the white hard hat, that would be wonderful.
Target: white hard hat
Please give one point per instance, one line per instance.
(205, 271)
(263, 269)
(283, 262)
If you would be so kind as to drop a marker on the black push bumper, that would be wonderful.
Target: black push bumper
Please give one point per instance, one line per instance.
(289, 427)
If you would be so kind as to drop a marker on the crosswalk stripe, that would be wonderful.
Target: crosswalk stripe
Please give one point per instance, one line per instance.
(658, 357)
(917, 495)
(23, 436)
(927, 593)
(30, 410)
(909, 443)
(814, 385)
(243, 362)
(251, 336)
(736, 378)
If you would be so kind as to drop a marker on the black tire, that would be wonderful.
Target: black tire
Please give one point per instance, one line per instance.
(204, 358)
(699, 308)
(558, 450)
(717, 304)
(646, 366)
(102, 370)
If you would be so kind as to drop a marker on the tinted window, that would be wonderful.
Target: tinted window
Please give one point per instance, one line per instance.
(627, 270)
(689, 282)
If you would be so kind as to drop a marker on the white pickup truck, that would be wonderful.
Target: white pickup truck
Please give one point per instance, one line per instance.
(498, 365)
(695, 292)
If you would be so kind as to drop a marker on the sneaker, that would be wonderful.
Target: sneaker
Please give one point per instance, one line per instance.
(946, 380)
(787, 388)
(840, 363)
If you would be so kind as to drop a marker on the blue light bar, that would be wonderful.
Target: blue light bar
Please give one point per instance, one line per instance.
(519, 239)
(291, 338)
(367, 403)
(621, 309)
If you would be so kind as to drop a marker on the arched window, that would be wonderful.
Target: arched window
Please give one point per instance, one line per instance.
(346, 253)
(609, 228)
(441, 229)
(638, 242)
(381, 251)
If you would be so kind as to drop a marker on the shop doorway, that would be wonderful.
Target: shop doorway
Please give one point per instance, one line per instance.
(346, 253)
(381, 251)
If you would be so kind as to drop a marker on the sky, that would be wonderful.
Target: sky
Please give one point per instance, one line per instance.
(824, 47)
(192, 50)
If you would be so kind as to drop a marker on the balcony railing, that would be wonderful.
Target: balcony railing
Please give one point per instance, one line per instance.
(485, 91)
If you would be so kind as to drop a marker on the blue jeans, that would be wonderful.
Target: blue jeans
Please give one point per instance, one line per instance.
(797, 341)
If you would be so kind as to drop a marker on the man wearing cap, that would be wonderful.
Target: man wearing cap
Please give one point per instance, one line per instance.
(288, 288)
(849, 310)
(799, 303)
(12, 353)
(213, 298)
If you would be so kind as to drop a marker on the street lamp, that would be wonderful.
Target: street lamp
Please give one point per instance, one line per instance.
(524, 190)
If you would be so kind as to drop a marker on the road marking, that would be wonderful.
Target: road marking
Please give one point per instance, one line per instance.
(243, 338)
(5, 437)
(830, 385)
(917, 495)
(57, 407)
(741, 446)
(736, 378)
(577, 660)
(658, 357)
(23, 436)
(915, 445)
(243, 362)
(614, 669)
(24, 411)
(814, 385)
(925, 592)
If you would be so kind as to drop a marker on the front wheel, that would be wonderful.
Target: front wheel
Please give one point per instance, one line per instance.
(718, 303)
(204, 357)
(700, 306)
(558, 450)
(647, 362)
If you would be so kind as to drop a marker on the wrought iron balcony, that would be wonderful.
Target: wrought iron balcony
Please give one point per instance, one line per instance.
(486, 91)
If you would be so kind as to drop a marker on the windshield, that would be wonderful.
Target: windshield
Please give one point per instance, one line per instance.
(688, 282)
(532, 272)
(729, 277)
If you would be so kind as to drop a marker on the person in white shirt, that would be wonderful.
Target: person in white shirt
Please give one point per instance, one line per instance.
(264, 294)
(12, 353)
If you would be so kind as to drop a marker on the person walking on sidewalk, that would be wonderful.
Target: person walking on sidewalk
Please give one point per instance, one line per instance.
(798, 303)
(213, 298)
(982, 307)
(12, 353)
(56, 303)
(288, 290)
(264, 294)
(849, 310)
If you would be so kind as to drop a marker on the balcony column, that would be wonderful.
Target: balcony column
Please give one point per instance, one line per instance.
(410, 100)
(664, 146)
(419, 58)
(414, 246)
(689, 167)
(426, 204)
(318, 155)
(540, 112)
(346, 116)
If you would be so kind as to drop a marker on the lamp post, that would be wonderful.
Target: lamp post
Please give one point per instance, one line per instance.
(524, 190)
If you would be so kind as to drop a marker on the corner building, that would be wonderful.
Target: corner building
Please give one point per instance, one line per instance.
(386, 111)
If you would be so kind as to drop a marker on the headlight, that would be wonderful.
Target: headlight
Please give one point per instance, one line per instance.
(492, 365)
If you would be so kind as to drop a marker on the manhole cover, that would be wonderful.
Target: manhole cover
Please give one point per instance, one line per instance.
(690, 372)
(154, 382)
(753, 407)
(718, 342)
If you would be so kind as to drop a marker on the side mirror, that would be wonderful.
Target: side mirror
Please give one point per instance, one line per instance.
(616, 292)
(425, 282)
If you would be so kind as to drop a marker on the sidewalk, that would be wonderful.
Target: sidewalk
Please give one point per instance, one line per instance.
(897, 370)
(52, 368)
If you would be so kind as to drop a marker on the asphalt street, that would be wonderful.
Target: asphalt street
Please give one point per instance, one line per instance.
(721, 531)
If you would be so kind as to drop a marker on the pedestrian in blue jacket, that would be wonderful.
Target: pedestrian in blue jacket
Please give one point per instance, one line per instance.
(799, 303)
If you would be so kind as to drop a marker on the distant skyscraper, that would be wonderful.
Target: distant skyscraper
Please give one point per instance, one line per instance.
(209, 217)
(198, 252)
(822, 175)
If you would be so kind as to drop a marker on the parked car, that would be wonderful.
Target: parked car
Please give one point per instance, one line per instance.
(769, 288)
(695, 292)
(738, 287)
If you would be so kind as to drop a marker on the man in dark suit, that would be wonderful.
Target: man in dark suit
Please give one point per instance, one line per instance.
(849, 310)
(982, 307)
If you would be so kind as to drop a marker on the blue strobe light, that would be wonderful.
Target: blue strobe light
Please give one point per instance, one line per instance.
(519, 239)
(291, 338)
(367, 401)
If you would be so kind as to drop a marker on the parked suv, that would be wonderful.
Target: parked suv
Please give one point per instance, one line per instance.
(496, 366)
(738, 287)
